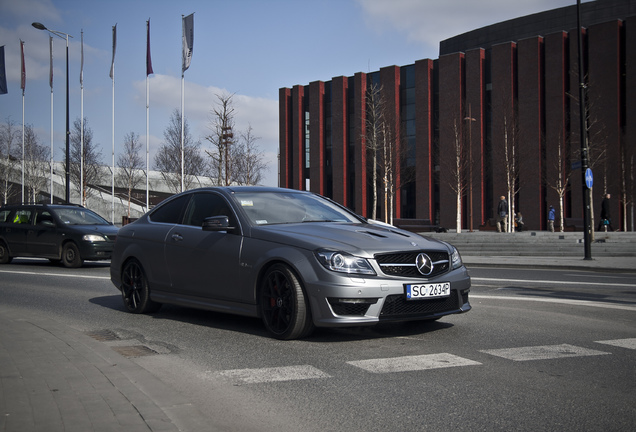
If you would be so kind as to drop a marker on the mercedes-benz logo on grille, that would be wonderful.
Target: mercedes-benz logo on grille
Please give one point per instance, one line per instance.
(424, 264)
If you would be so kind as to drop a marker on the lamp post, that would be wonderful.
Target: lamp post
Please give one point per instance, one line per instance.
(62, 35)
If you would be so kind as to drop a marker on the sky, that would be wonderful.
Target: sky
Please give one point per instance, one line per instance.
(245, 48)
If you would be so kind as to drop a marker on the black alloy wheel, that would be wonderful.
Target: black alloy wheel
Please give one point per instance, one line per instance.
(134, 289)
(283, 306)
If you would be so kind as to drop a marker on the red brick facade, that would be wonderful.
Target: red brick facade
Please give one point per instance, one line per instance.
(524, 90)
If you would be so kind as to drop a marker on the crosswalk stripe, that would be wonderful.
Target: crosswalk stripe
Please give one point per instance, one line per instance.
(285, 373)
(623, 343)
(412, 363)
(545, 352)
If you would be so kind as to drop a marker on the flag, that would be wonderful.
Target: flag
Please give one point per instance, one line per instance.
(82, 62)
(148, 59)
(51, 62)
(22, 69)
(188, 41)
(112, 64)
(3, 74)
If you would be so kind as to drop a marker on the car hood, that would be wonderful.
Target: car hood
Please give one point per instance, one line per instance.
(362, 239)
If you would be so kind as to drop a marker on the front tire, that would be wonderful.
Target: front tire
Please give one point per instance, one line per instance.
(135, 291)
(71, 257)
(284, 309)
(5, 257)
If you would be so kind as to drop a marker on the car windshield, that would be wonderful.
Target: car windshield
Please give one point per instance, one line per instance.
(268, 208)
(79, 216)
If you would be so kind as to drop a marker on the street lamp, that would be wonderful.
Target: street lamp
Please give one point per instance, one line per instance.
(62, 35)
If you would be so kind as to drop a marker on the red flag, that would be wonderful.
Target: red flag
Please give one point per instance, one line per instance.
(148, 59)
(22, 70)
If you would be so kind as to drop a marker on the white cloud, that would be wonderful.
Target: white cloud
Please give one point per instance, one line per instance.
(432, 21)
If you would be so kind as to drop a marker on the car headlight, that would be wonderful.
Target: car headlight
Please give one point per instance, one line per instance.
(456, 259)
(93, 238)
(344, 263)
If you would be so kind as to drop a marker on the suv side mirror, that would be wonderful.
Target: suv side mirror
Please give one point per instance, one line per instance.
(217, 223)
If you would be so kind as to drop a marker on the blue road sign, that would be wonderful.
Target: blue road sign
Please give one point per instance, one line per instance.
(589, 178)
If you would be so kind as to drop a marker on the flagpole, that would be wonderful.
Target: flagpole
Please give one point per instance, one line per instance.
(23, 85)
(148, 72)
(112, 75)
(82, 199)
(182, 111)
(51, 85)
(147, 144)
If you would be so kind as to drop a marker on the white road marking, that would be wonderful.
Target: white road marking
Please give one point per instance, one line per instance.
(55, 274)
(412, 363)
(623, 343)
(286, 373)
(560, 301)
(545, 352)
(549, 282)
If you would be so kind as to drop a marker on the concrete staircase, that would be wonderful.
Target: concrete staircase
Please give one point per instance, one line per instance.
(540, 243)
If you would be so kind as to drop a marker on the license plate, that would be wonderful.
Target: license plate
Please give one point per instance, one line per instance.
(423, 291)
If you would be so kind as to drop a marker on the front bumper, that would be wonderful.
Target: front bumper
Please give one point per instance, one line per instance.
(367, 301)
(96, 251)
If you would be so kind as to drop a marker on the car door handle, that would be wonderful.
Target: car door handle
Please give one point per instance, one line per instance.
(177, 237)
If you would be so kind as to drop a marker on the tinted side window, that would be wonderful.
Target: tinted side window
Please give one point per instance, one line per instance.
(170, 212)
(4, 215)
(22, 216)
(205, 205)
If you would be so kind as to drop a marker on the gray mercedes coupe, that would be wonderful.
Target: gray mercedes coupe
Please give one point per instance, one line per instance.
(295, 259)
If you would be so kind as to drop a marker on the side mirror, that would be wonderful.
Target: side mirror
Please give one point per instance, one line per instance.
(217, 223)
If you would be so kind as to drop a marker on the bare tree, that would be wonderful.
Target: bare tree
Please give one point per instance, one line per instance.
(168, 158)
(36, 165)
(509, 160)
(9, 159)
(223, 163)
(87, 160)
(458, 171)
(375, 126)
(561, 180)
(130, 166)
(250, 162)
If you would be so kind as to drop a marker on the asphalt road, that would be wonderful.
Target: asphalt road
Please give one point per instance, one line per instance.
(541, 350)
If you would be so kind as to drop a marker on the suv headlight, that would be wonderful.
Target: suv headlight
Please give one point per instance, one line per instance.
(93, 238)
(456, 259)
(344, 263)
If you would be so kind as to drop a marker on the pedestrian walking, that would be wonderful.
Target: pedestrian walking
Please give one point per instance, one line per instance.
(606, 220)
(502, 215)
(551, 216)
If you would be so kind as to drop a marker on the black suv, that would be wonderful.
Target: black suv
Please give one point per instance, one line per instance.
(67, 233)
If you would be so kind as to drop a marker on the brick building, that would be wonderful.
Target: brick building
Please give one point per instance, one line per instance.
(512, 82)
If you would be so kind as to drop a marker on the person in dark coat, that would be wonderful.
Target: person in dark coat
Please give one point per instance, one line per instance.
(606, 219)
(502, 215)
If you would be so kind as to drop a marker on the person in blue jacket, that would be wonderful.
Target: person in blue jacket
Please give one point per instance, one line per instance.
(551, 216)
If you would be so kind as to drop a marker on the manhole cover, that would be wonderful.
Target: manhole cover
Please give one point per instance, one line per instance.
(134, 350)
(103, 335)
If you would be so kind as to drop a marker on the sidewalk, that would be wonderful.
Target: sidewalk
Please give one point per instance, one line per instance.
(54, 378)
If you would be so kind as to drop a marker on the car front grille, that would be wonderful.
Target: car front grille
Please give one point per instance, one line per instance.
(396, 306)
(404, 263)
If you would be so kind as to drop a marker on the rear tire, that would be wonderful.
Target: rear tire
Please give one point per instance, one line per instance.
(284, 309)
(135, 291)
(5, 258)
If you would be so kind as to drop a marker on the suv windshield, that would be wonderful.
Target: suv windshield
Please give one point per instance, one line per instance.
(79, 216)
(267, 208)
